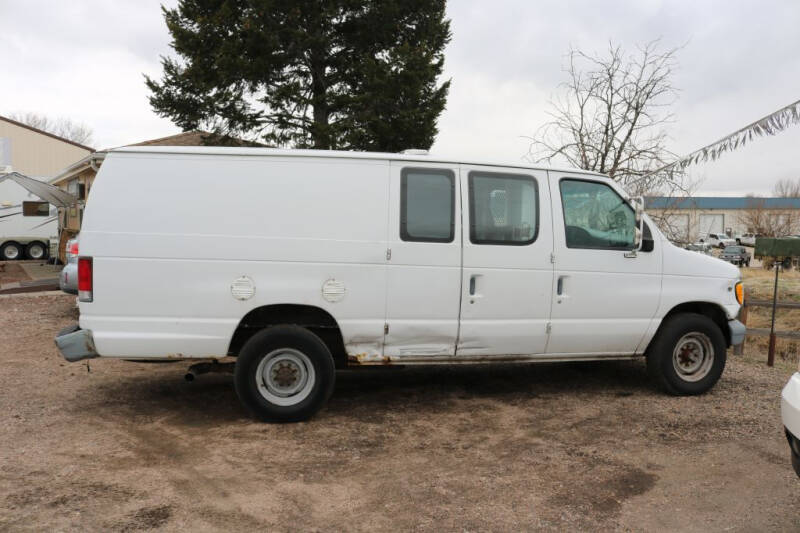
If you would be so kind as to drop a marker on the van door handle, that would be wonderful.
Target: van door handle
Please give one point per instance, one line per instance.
(560, 285)
(472, 285)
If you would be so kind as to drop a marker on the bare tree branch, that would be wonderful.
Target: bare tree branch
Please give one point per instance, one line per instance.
(769, 223)
(611, 115)
(787, 188)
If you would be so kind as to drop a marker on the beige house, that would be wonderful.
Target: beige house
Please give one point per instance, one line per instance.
(34, 152)
(687, 220)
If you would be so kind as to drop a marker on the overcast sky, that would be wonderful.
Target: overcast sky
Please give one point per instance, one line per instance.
(85, 60)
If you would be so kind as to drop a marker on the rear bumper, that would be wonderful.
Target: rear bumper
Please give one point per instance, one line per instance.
(76, 344)
(738, 331)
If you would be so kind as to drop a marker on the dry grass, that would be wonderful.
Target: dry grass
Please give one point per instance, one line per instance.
(759, 286)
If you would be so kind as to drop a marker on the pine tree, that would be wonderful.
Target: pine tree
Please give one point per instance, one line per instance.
(328, 74)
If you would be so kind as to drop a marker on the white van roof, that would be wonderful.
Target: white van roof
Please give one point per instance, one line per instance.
(337, 154)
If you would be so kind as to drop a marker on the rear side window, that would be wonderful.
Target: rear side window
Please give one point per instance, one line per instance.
(427, 205)
(503, 209)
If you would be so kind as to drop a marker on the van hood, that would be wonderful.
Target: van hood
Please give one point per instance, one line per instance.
(680, 262)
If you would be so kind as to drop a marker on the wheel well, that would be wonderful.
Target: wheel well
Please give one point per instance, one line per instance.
(317, 320)
(712, 311)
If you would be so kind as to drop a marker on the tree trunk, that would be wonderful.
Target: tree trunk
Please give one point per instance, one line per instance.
(320, 132)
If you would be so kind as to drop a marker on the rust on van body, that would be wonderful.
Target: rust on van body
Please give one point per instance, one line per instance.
(368, 359)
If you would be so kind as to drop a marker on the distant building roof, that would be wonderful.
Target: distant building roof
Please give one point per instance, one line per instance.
(187, 138)
(198, 138)
(720, 202)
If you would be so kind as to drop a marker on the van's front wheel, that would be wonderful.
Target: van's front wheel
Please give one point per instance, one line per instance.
(284, 374)
(688, 354)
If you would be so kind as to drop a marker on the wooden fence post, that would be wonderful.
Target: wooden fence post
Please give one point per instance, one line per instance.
(771, 350)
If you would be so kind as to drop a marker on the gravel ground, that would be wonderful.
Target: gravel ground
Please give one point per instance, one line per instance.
(125, 446)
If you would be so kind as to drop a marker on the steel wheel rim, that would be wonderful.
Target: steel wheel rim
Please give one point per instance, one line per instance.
(36, 251)
(285, 376)
(11, 252)
(693, 356)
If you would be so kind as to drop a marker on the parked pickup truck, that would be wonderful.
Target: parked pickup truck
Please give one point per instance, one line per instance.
(738, 255)
(700, 247)
(68, 279)
(327, 260)
(718, 240)
(747, 239)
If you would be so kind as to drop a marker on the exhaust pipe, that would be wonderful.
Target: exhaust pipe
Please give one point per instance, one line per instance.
(205, 367)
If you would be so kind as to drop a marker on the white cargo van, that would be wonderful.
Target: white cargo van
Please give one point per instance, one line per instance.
(300, 262)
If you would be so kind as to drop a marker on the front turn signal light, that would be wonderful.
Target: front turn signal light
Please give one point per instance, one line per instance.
(740, 293)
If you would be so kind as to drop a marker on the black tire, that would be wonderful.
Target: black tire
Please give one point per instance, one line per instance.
(36, 250)
(694, 332)
(308, 361)
(11, 251)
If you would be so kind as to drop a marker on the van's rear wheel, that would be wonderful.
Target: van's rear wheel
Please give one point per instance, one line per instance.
(284, 374)
(688, 354)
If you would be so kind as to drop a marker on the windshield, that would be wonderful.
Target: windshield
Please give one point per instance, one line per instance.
(734, 250)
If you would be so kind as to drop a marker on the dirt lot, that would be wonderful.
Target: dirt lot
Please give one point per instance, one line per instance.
(583, 446)
(11, 271)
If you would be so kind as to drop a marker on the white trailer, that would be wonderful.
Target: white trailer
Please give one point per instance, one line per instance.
(28, 224)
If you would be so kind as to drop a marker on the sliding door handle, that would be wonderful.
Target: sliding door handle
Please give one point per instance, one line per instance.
(560, 286)
(472, 285)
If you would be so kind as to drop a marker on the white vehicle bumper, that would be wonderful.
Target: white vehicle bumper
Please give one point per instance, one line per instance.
(790, 413)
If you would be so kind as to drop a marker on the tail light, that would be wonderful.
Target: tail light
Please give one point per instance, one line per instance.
(72, 248)
(85, 279)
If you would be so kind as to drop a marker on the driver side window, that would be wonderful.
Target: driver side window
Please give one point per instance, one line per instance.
(595, 216)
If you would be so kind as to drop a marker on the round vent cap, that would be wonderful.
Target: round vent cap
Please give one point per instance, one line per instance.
(243, 288)
(333, 290)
